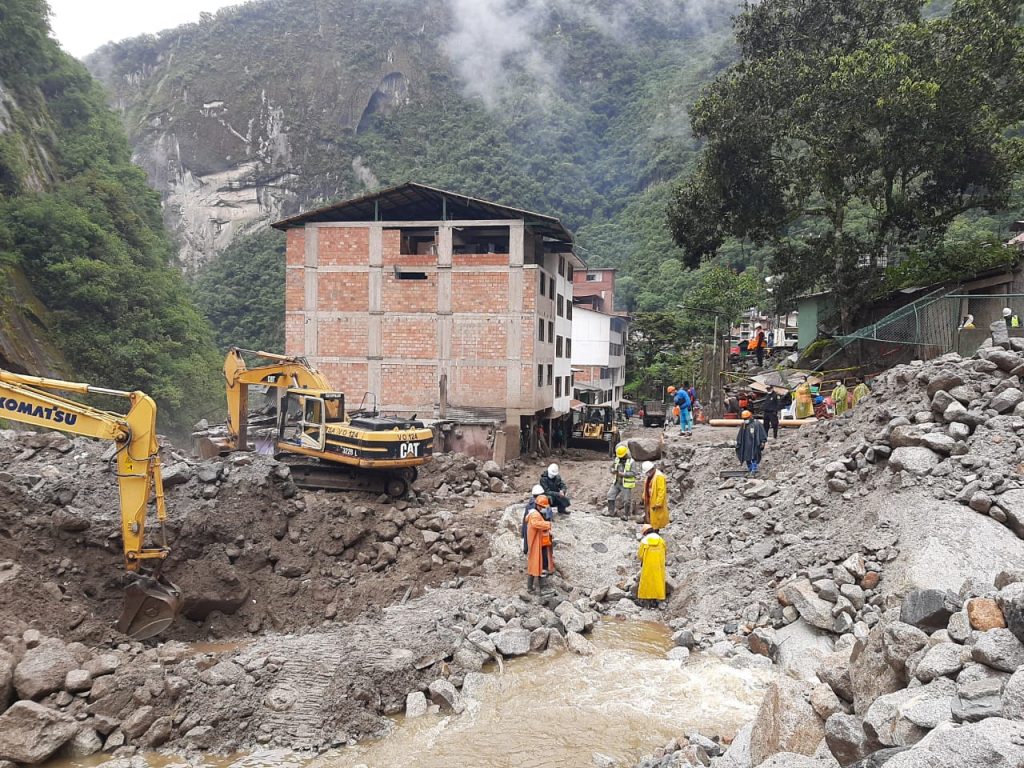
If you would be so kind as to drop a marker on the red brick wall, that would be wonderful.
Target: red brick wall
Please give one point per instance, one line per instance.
(581, 287)
(480, 292)
(410, 295)
(344, 337)
(350, 378)
(295, 247)
(343, 292)
(393, 255)
(480, 259)
(414, 338)
(476, 386)
(343, 246)
(481, 339)
(410, 384)
(294, 335)
(295, 289)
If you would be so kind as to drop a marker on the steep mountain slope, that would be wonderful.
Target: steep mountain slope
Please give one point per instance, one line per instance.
(88, 290)
(577, 108)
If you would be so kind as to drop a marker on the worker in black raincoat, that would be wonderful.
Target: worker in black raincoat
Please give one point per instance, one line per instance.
(750, 442)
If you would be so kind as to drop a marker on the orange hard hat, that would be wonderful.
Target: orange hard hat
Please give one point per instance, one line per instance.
(542, 502)
(747, 415)
(670, 389)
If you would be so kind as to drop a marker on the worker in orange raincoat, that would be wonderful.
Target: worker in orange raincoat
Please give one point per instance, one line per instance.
(652, 566)
(538, 539)
(655, 496)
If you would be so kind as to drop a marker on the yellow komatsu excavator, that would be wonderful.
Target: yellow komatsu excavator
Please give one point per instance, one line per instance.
(151, 602)
(325, 446)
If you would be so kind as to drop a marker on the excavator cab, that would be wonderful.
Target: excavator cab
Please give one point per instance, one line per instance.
(305, 414)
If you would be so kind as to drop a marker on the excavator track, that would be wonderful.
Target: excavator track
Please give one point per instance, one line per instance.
(316, 476)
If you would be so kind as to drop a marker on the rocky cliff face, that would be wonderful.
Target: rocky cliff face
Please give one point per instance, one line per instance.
(272, 106)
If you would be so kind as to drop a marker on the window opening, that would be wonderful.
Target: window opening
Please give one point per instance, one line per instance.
(418, 242)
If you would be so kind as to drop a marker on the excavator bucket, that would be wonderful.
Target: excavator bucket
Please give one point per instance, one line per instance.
(150, 606)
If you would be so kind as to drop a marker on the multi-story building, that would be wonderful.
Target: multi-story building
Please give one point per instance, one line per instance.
(599, 338)
(436, 304)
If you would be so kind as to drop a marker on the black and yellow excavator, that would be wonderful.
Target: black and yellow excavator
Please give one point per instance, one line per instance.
(151, 602)
(325, 446)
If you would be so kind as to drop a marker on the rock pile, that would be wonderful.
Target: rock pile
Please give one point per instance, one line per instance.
(454, 475)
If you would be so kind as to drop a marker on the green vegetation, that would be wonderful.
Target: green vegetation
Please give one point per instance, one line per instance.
(853, 134)
(78, 220)
(242, 293)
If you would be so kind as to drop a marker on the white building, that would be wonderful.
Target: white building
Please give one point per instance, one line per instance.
(599, 355)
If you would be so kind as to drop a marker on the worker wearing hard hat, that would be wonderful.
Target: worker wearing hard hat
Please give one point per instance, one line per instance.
(652, 551)
(655, 496)
(623, 483)
(750, 442)
(1012, 319)
(539, 560)
(555, 489)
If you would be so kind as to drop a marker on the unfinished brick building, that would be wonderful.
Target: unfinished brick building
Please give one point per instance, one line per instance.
(436, 304)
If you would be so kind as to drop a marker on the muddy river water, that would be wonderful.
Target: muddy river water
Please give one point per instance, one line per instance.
(624, 701)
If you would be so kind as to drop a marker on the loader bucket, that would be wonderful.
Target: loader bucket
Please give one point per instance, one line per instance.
(150, 606)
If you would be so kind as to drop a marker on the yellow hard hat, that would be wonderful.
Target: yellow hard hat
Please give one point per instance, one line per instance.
(621, 451)
(747, 415)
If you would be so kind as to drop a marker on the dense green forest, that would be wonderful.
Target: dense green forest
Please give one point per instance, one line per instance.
(82, 229)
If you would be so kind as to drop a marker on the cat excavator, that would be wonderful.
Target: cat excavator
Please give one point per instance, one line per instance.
(151, 602)
(325, 446)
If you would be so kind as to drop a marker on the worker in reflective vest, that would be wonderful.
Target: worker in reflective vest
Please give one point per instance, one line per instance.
(623, 483)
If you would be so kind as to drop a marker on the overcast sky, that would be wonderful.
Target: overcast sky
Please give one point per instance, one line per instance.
(82, 26)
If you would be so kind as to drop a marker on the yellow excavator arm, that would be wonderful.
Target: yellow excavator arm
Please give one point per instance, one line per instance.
(34, 401)
(283, 373)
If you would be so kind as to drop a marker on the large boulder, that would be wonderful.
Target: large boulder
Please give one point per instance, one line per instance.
(512, 642)
(991, 743)
(900, 641)
(928, 608)
(7, 665)
(871, 674)
(1006, 400)
(801, 650)
(815, 611)
(30, 732)
(1012, 503)
(917, 460)
(42, 669)
(902, 718)
(941, 660)
(1013, 697)
(786, 722)
(847, 740)
(999, 649)
(644, 449)
(1011, 603)
(446, 696)
(738, 753)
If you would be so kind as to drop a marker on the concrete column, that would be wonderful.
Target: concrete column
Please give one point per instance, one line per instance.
(311, 299)
(445, 321)
(514, 328)
(375, 321)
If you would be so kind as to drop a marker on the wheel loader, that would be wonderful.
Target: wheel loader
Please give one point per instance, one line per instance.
(325, 445)
(594, 427)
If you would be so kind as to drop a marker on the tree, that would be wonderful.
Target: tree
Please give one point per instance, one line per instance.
(851, 133)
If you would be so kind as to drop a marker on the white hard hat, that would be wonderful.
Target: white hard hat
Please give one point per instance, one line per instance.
(647, 466)
(537, 490)
(1007, 311)
(553, 470)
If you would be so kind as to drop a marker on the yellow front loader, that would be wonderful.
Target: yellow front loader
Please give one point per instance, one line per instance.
(151, 602)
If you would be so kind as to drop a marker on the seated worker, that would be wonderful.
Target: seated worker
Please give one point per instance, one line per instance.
(555, 489)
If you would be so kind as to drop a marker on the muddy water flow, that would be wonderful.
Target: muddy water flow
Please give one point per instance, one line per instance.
(625, 701)
(545, 711)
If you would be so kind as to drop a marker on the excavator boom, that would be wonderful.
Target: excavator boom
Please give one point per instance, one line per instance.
(152, 602)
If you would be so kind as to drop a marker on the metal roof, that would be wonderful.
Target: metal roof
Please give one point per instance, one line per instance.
(419, 202)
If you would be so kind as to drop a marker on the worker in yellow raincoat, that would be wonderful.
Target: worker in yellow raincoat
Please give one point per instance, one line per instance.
(804, 401)
(652, 566)
(538, 539)
(655, 496)
(860, 391)
(839, 398)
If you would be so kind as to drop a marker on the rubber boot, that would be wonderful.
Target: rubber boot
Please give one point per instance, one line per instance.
(530, 584)
(627, 511)
(545, 589)
(611, 508)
